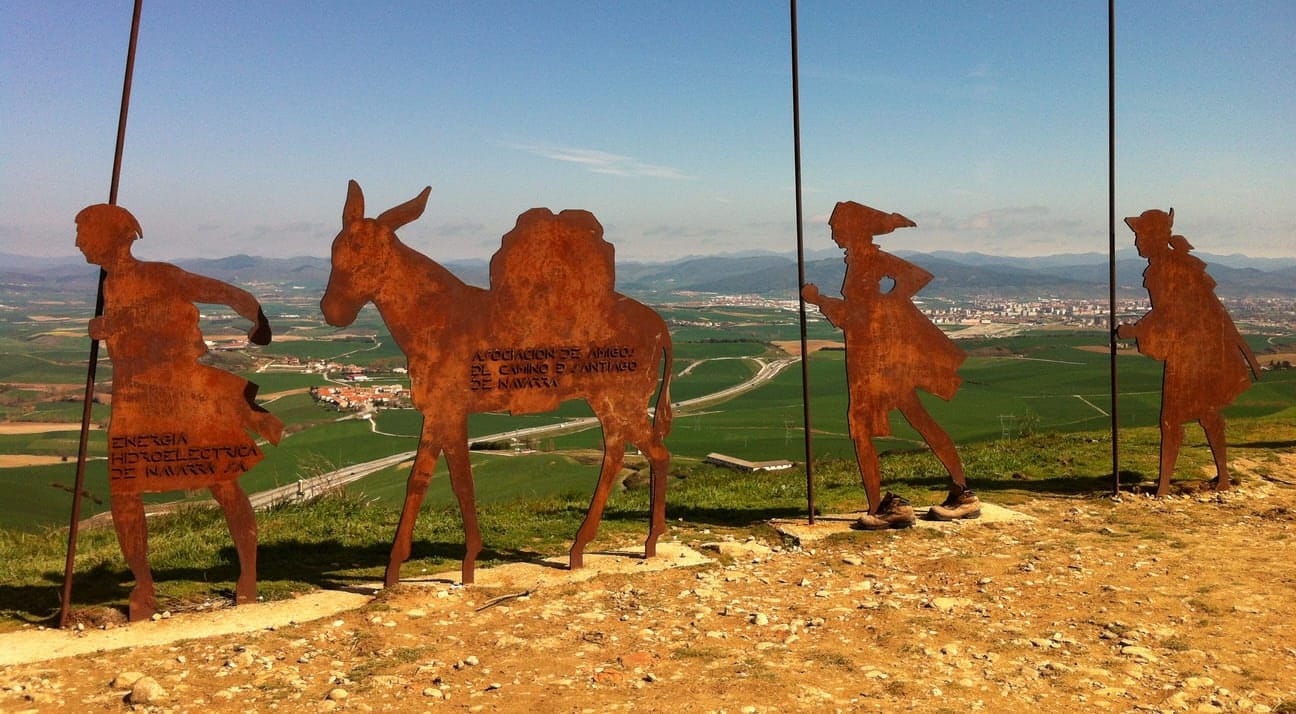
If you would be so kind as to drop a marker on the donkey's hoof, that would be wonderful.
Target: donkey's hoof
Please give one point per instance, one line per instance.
(143, 605)
(246, 593)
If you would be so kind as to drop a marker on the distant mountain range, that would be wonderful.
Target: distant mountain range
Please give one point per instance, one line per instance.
(1077, 275)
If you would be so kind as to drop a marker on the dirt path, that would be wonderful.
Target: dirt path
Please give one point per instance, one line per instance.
(40, 427)
(9, 461)
(793, 347)
(1182, 604)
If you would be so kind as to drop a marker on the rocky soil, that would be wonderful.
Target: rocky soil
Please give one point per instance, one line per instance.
(1182, 604)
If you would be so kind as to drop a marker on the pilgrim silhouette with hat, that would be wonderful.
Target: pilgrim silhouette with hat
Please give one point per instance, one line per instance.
(1188, 328)
(892, 351)
(177, 424)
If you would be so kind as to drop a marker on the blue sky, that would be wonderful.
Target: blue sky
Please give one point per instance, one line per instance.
(985, 122)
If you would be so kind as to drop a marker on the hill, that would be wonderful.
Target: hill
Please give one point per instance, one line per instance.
(956, 274)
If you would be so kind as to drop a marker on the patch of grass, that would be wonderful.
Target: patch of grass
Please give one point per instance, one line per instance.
(408, 655)
(1203, 606)
(691, 652)
(836, 660)
(755, 668)
(1120, 628)
(912, 650)
(896, 688)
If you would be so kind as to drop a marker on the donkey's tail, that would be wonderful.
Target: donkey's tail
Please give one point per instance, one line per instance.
(662, 413)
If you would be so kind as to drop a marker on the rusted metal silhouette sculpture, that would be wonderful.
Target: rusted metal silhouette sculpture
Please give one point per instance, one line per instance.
(1188, 328)
(176, 424)
(892, 350)
(551, 328)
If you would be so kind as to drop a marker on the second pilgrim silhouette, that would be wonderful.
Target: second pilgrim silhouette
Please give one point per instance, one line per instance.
(892, 351)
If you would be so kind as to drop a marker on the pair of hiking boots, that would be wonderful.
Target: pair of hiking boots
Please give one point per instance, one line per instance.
(896, 512)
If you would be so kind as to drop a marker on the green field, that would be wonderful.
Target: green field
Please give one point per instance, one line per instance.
(43, 361)
(1035, 383)
(742, 323)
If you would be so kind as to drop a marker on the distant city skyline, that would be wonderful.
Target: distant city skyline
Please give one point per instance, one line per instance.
(985, 123)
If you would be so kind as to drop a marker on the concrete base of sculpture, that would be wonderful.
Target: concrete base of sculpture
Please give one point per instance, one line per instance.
(832, 524)
(520, 577)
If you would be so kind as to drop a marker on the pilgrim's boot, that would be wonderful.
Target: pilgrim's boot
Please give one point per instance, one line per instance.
(893, 512)
(965, 504)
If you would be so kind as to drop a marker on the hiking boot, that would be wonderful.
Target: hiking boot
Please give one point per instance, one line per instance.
(892, 512)
(956, 507)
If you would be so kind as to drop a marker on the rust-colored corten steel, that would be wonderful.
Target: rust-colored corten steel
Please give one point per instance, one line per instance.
(551, 328)
(176, 424)
(892, 349)
(1188, 328)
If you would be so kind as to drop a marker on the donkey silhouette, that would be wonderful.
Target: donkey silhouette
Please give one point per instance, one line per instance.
(550, 329)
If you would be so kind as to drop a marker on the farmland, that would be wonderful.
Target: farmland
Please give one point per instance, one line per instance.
(1036, 381)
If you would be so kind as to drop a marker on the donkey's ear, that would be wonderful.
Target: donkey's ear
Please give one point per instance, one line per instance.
(354, 209)
(394, 218)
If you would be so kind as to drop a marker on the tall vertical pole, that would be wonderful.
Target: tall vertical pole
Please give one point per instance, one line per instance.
(1111, 236)
(801, 281)
(93, 361)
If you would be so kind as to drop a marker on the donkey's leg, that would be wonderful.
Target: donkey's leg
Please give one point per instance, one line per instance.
(243, 529)
(659, 470)
(613, 457)
(132, 535)
(461, 481)
(415, 488)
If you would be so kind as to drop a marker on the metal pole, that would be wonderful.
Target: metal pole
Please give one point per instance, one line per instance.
(65, 609)
(801, 281)
(1111, 236)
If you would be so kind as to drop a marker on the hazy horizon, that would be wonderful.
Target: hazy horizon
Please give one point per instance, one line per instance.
(826, 247)
(1122, 252)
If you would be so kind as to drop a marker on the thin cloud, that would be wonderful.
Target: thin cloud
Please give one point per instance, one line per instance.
(261, 236)
(290, 227)
(459, 229)
(603, 162)
(683, 231)
(1012, 219)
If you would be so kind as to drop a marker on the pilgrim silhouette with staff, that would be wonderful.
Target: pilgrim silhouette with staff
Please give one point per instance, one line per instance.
(177, 424)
